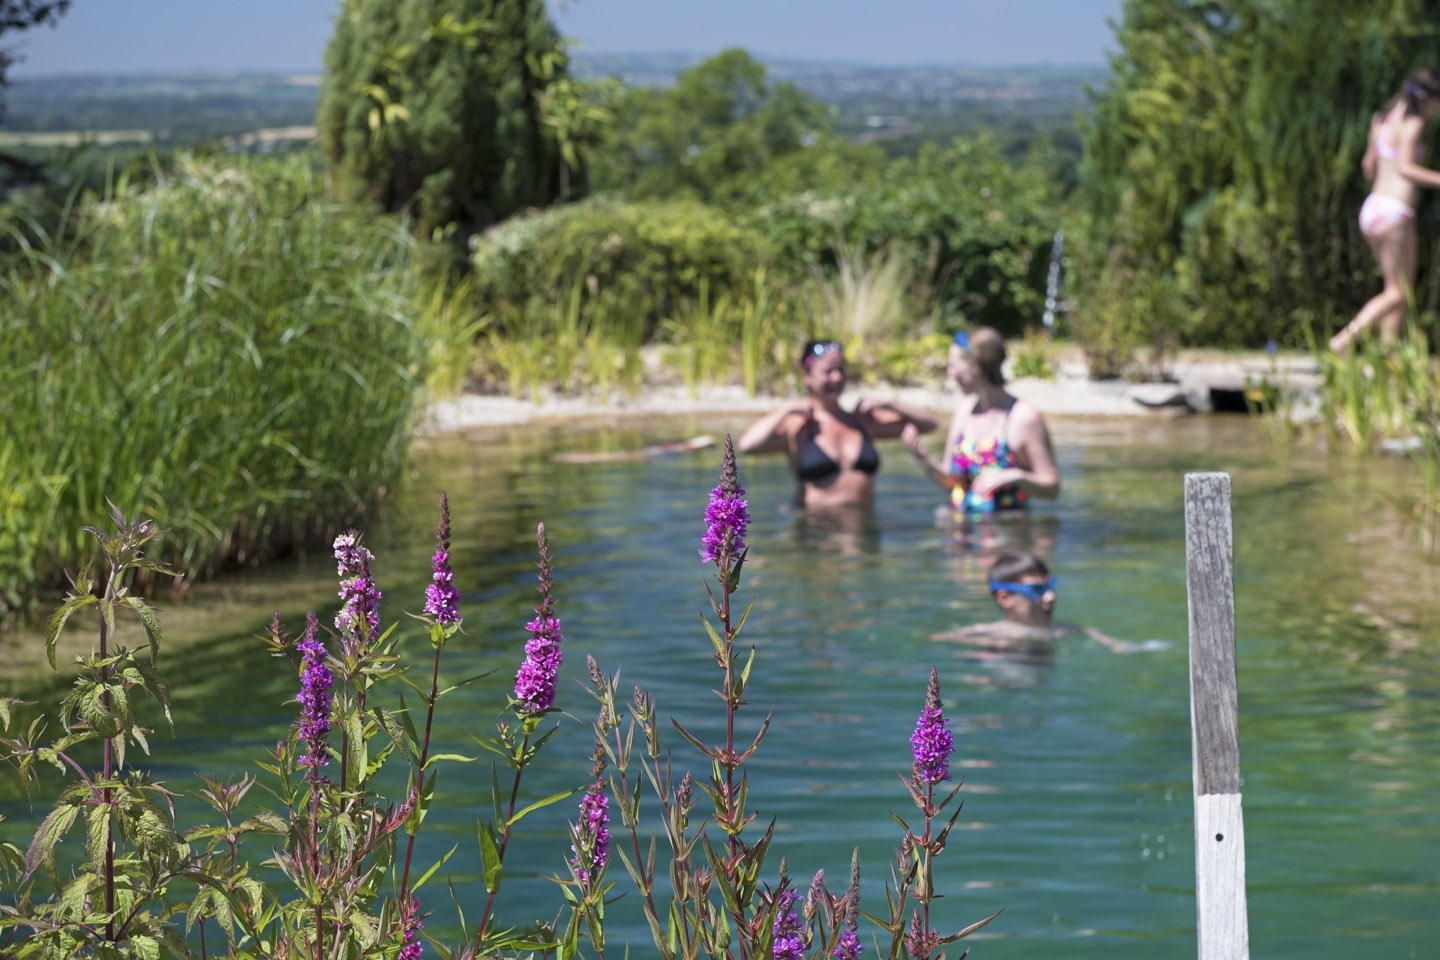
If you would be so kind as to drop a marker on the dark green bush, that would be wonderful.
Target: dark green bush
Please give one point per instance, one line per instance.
(648, 258)
(978, 229)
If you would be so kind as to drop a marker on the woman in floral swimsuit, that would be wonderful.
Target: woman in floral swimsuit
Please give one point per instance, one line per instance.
(997, 454)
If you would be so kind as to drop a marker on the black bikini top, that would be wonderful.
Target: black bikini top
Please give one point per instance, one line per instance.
(816, 466)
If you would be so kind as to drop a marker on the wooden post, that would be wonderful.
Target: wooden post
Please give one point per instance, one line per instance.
(1222, 924)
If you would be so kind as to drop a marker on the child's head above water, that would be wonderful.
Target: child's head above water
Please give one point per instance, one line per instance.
(1023, 589)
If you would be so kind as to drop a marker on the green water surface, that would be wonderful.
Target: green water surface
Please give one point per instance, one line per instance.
(1078, 812)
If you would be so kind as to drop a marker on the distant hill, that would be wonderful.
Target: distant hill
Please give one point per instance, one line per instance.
(899, 106)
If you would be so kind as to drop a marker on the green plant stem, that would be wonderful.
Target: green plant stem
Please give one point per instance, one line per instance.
(420, 773)
(315, 866)
(504, 839)
(109, 794)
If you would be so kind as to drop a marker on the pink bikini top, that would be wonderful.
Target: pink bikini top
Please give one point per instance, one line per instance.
(1387, 141)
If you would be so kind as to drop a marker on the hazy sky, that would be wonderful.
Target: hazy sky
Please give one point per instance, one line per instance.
(140, 36)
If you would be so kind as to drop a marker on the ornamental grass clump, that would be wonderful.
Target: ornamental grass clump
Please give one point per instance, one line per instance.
(226, 347)
(329, 872)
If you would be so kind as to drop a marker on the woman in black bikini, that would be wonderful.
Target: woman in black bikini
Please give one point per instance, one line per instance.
(830, 448)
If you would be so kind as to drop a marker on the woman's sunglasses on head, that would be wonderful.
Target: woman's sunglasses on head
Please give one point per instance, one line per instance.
(818, 349)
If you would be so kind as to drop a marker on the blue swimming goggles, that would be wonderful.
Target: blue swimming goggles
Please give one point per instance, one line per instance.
(1034, 592)
(962, 340)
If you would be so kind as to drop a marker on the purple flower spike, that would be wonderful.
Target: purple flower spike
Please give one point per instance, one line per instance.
(788, 942)
(535, 681)
(592, 833)
(357, 589)
(931, 743)
(849, 946)
(442, 600)
(412, 950)
(315, 684)
(726, 516)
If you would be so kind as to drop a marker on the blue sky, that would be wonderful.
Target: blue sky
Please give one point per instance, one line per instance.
(155, 36)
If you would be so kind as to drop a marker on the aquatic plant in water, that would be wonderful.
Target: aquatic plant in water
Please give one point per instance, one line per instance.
(336, 841)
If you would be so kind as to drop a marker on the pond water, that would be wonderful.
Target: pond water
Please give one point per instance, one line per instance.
(1078, 812)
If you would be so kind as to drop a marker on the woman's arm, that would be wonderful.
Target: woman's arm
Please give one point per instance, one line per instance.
(885, 420)
(1038, 475)
(1367, 162)
(1410, 133)
(934, 469)
(766, 436)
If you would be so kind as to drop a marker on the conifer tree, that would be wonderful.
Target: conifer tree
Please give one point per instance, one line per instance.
(435, 105)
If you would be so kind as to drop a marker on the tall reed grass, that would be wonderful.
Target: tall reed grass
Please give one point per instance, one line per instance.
(227, 350)
(1389, 394)
(1379, 398)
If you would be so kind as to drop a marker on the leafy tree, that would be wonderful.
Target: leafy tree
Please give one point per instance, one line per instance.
(1221, 174)
(721, 122)
(438, 104)
(17, 15)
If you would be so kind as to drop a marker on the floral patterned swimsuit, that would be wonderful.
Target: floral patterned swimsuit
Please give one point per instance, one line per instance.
(968, 458)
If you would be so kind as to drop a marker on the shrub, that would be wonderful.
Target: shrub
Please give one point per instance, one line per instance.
(644, 258)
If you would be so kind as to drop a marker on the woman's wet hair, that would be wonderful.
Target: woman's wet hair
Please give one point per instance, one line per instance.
(1419, 89)
(1013, 567)
(814, 349)
(987, 349)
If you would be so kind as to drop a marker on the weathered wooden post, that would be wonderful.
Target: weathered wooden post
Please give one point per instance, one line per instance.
(1222, 924)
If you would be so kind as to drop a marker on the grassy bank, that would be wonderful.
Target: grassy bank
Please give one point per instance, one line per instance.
(226, 350)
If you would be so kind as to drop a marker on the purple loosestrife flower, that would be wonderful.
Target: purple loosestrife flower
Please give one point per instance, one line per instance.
(788, 942)
(357, 589)
(412, 950)
(931, 743)
(442, 600)
(592, 833)
(315, 684)
(849, 946)
(535, 681)
(726, 516)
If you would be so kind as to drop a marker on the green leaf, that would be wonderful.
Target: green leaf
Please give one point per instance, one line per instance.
(553, 798)
(743, 617)
(408, 722)
(436, 866)
(455, 757)
(463, 683)
(152, 622)
(355, 745)
(97, 831)
(490, 854)
(714, 637)
(49, 833)
(156, 687)
(972, 928)
(57, 622)
(745, 674)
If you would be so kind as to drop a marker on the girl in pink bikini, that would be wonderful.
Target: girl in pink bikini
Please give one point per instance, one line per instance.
(1387, 218)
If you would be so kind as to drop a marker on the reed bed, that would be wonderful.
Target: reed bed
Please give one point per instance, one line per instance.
(226, 350)
(1379, 398)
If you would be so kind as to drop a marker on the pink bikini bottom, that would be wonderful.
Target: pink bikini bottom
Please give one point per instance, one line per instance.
(1380, 212)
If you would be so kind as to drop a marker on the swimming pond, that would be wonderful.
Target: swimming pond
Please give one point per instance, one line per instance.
(1077, 814)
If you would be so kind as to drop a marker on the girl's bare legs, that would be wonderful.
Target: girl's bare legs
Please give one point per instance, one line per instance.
(1395, 251)
(1392, 323)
